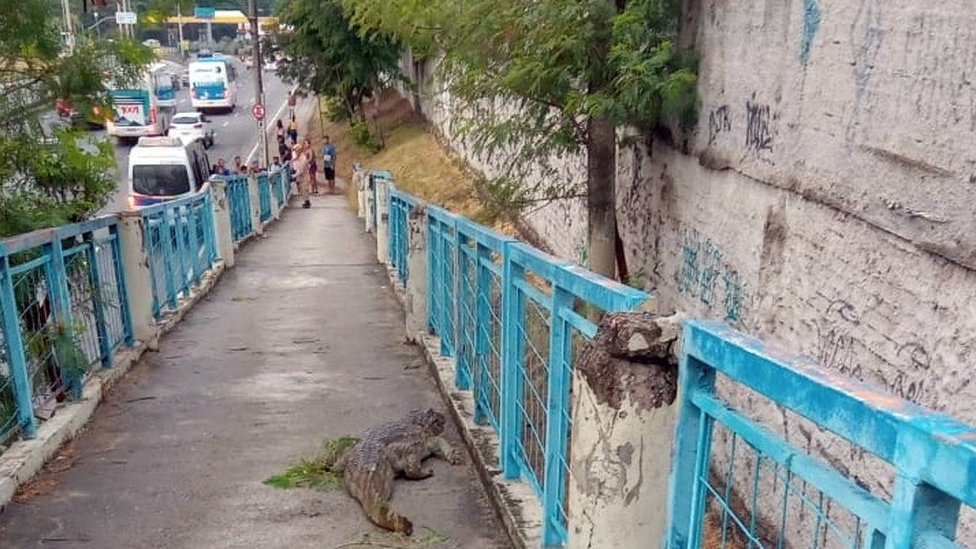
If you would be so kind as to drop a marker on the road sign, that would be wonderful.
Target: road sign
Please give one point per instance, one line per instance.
(204, 13)
(125, 17)
(258, 111)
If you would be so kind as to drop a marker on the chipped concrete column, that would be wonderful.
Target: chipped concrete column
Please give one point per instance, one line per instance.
(383, 220)
(415, 296)
(254, 193)
(624, 414)
(138, 279)
(224, 235)
(369, 191)
(358, 179)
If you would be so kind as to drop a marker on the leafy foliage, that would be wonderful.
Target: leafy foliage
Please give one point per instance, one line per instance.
(326, 53)
(52, 176)
(531, 77)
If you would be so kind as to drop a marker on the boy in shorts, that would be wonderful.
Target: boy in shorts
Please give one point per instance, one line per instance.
(328, 163)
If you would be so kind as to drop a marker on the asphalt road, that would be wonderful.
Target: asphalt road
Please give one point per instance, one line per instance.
(236, 132)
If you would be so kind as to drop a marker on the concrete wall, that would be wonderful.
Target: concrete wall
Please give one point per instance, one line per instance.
(825, 200)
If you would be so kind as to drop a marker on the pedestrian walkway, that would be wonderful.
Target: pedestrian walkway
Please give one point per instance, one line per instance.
(301, 341)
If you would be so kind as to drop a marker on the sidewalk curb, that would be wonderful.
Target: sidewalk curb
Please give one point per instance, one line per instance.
(515, 503)
(25, 458)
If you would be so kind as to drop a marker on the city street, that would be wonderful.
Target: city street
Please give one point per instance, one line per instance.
(236, 132)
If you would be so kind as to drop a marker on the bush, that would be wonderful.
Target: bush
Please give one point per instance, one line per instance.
(360, 134)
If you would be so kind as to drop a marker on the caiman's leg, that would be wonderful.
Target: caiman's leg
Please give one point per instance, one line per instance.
(413, 469)
(439, 447)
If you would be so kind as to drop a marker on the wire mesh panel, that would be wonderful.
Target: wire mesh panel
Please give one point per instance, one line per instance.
(738, 483)
(400, 207)
(64, 310)
(442, 263)
(239, 201)
(180, 247)
(264, 195)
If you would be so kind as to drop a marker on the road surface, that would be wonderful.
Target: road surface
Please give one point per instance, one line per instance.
(237, 132)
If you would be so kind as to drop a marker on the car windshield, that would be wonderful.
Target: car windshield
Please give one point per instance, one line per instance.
(185, 120)
(160, 180)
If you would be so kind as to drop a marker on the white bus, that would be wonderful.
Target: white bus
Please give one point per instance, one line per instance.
(213, 83)
(162, 81)
(138, 110)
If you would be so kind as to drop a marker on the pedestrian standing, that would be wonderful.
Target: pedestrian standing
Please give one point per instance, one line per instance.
(313, 166)
(293, 130)
(292, 101)
(300, 165)
(280, 130)
(329, 163)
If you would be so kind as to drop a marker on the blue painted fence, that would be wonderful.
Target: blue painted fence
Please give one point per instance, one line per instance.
(264, 195)
(514, 319)
(767, 491)
(180, 245)
(64, 310)
(239, 202)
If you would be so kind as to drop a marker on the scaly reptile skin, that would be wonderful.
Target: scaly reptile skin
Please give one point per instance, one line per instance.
(369, 467)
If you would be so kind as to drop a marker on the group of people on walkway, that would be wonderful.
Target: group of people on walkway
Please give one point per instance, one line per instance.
(300, 157)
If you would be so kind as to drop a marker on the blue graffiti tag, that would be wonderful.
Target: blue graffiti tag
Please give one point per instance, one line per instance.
(811, 23)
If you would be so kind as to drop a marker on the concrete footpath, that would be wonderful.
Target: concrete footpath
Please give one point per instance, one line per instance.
(301, 341)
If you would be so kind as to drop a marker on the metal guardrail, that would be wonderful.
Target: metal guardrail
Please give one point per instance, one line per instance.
(239, 202)
(179, 237)
(264, 196)
(64, 309)
(514, 318)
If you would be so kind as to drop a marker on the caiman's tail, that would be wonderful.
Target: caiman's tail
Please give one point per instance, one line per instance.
(381, 515)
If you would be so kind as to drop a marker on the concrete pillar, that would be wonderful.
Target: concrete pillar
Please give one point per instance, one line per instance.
(624, 415)
(254, 191)
(138, 280)
(358, 180)
(224, 235)
(383, 221)
(415, 296)
(370, 193)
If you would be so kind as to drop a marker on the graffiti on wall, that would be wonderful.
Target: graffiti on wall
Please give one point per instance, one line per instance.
(840, 346)
(719, 122)
(759, 129)
(811, 24)
(759, 134)
(704, 275)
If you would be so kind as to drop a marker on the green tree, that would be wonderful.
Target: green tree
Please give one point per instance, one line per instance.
(327, 54)
(50, 176)
(575, 70)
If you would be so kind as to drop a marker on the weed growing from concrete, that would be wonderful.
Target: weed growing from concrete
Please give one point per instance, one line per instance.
(428, 540)
(316, 473)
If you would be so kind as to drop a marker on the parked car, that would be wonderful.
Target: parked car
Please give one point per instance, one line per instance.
(164, 168)
(192, 126)
(94, 121)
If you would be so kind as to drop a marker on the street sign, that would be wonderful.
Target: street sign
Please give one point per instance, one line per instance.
(125, 17)
(258, 111)
(204, 13)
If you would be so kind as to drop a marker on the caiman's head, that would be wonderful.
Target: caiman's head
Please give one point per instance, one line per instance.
(430, 419)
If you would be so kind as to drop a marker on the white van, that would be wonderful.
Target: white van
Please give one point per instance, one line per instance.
(164, 168)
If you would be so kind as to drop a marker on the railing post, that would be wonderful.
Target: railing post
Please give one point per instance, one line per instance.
(446, 307)
(918, 509)
(193, 213)
(254, 196)
(483, 326)
(513, 352)
(168, 220)
(557, 410)
(382, 221)
(120, 282)
(16, 357)
(433, 271)
(223, 234)
(138, 281)
(462, 370)
(359, 180)
(416, 295)
(94, 270)
(60, 293)
(693, 437)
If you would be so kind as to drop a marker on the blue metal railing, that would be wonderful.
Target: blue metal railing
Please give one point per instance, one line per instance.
(180, 246)
(401, 205)
(281, 184)
(766, 490)
(513, 318)
(64, 309)
(239, 202)
(264, 195)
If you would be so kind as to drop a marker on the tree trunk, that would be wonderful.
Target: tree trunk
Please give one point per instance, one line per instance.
(601, 198)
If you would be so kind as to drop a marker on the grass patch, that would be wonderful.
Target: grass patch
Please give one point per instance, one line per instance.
(418, 162)
(316, 473)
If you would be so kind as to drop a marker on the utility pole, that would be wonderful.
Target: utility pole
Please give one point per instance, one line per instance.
(68, 26)
(179, 16)
(252, 8)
